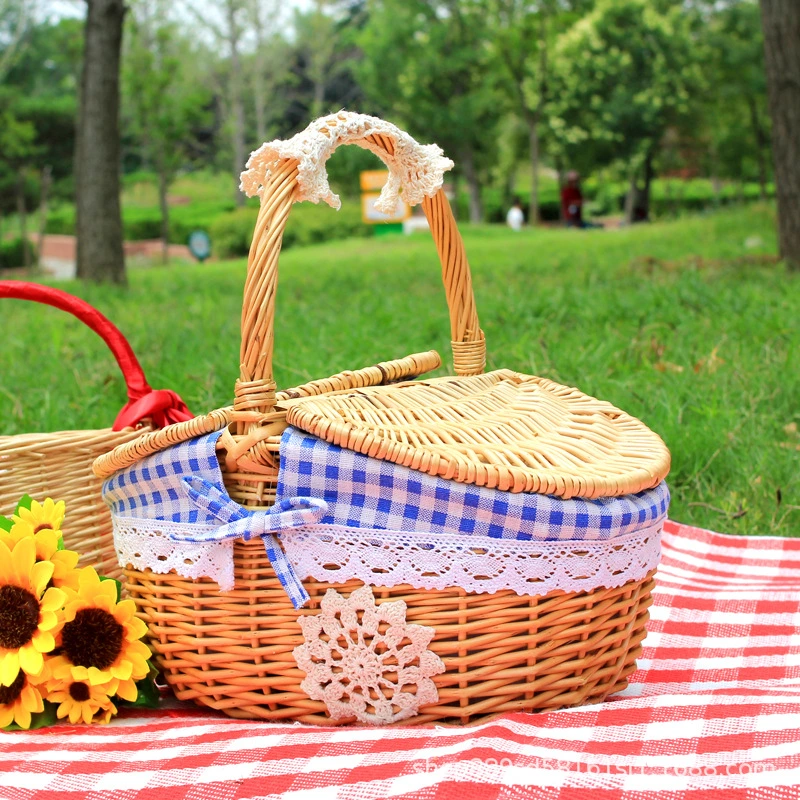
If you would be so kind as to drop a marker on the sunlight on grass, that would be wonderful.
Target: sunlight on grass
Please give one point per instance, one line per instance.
(682, 324)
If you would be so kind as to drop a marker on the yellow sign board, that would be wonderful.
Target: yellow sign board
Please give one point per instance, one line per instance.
(374, 180)
(370, 214)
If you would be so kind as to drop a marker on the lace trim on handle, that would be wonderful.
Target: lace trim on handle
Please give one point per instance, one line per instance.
(415, 168)
(337, 554)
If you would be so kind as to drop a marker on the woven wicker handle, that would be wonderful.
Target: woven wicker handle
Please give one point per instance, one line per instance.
(286, 172)
(162, 407)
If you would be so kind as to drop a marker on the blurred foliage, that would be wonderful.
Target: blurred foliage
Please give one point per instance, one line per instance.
(603, 84)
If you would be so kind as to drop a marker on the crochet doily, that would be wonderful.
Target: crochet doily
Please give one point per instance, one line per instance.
(416, 170)
(146, 544)
(365, 661)
(477, 564)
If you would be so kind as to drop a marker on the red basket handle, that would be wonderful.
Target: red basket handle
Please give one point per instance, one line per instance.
(162, 406)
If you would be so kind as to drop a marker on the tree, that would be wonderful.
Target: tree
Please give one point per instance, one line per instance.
(733, 119)
(100, 256)
(523, 34)
(626, 73)
(165, 102)
(17, 147)
(226, 21)
(427, 62)
(781, 23)
(270, 63)
(16, 17)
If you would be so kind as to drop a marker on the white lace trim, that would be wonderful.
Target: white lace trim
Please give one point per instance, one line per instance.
(145, 544)
(337, 554)
(416, 169)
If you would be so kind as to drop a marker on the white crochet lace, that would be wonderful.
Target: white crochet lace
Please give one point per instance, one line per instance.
(145, 544)
(418, 170)
(365, 660)
(337, 554)
(388, 558)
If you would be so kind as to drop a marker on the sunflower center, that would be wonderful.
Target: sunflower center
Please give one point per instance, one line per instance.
(92, 639)
(43, 526)
(19, 616)
(79, 691)
(9, 694)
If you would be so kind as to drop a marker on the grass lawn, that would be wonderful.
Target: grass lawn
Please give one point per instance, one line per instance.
(687, 325)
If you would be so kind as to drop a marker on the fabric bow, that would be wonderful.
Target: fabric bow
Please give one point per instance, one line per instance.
(241, 523)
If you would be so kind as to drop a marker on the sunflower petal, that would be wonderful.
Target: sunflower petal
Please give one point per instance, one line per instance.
(43, 641)
(123, 670)
(31, 660)
(39, 574)
(32, 700)
(127, 691)
(22, 560)
(9, 667)
(22, 717)
(53, 599)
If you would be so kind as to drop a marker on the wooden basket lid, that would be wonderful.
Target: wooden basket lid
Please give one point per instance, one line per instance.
(503, 430)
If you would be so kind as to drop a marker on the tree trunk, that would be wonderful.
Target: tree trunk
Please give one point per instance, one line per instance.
(100, 256)
(44, 196)
(236, 102)
(761, 146)
(533, 139)
(648, 183)
(781, 23)
(163, 187)
(630, 199)
(23, 220)
(473, 186)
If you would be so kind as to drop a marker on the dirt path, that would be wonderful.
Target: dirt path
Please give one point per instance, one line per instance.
(58, 254)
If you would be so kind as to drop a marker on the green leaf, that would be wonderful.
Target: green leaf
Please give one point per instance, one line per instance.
(60, 543)
(5, 524)
(24, 502)
(44, 719)
(119, 585)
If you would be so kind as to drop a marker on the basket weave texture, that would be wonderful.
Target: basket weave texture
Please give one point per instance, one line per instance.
(233, 652)
(59, 464)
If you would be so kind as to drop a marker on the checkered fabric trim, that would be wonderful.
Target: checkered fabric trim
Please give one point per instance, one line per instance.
(711, 714)
(153, 487)
(364, 492)
(183, 484)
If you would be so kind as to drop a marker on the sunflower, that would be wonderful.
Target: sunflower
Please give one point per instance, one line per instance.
(29, 618)
(78, 699)
(19, 700)
(46, 516)
(47, 543)
(100, 637)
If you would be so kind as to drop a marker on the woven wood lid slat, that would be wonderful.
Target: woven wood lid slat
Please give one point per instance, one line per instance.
(501, 429)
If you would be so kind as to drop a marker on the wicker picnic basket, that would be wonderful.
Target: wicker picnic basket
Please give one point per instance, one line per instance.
(59, 464)
(524, 438)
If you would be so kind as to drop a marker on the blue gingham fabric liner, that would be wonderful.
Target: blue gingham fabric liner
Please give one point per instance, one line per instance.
(364, 492)
(184, 484)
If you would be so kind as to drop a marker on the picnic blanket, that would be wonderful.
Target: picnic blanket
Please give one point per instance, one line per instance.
(713, 713)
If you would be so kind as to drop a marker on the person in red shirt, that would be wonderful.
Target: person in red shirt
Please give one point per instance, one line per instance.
(572, 201)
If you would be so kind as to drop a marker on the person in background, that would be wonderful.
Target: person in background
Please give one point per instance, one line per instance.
(572, 201)
(515, 219)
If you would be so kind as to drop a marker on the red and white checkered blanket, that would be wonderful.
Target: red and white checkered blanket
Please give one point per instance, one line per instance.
(712, 714)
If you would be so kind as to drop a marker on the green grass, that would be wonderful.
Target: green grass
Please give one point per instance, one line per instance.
(678, 323)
